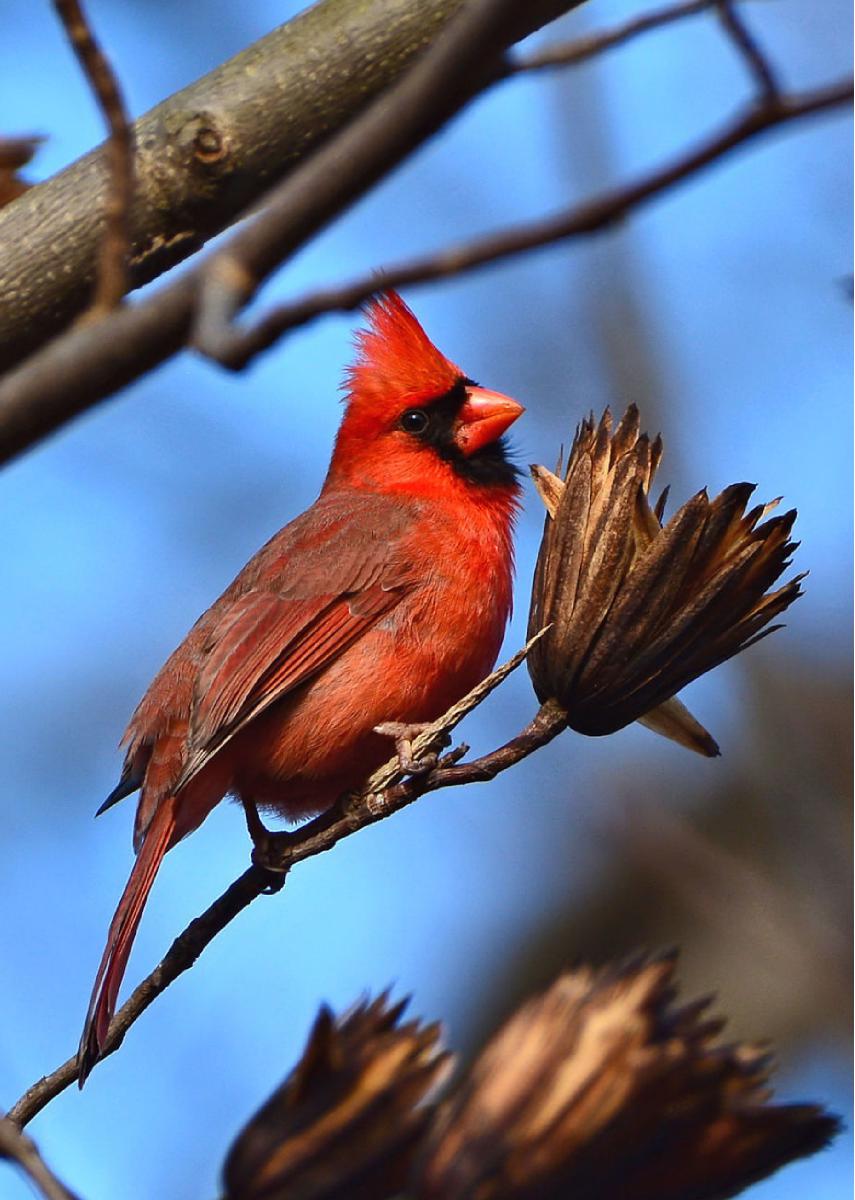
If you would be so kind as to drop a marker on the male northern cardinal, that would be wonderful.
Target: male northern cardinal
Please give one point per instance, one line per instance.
(386, 601)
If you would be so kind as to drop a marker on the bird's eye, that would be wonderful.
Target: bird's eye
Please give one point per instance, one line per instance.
(414, 420)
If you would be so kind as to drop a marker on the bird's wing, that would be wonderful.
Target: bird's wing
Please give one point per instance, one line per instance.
(266, 645)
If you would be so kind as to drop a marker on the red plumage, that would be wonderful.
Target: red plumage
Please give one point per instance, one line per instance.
(385, 601)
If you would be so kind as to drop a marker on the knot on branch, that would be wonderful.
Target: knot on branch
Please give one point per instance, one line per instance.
(203, 140)
(209, 145)
(15, 152)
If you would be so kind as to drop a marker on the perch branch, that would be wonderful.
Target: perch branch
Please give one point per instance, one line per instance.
(588, 218)
(385, 793)
(20, 1149)
(112, 277)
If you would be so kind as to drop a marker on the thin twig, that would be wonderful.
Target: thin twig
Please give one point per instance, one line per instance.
(112, 280)
(385, 793)
(181, 955)
(20, 1149)
(85, 365)
(595, 215)
(761, 70)
(579, 50)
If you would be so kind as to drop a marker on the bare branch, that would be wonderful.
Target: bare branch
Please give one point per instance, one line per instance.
(385, 793)
(267, 109)
(112, 280)
(465, 59)
(181, 955)
(209, 152)
(596, 215)
(569, 54)
(767, 85)
(83, 365)
(20, 1149)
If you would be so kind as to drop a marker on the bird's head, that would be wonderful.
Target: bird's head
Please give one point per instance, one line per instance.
(413, 418)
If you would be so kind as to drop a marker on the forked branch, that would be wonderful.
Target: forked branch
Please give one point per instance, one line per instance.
(235, 347)
(85, 365)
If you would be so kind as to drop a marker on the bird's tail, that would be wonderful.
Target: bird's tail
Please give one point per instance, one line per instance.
(123, 929)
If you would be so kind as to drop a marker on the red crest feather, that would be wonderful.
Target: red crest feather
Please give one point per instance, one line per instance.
(396, 360)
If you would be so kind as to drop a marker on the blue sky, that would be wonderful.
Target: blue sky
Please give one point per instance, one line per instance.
(726, 305)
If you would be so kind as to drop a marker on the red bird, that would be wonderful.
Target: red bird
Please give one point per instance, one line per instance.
(386, 601)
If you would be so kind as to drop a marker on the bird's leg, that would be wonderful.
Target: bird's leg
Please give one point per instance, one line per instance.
(404, 734)
(267, 846)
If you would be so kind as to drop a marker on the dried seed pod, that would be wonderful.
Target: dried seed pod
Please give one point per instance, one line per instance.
(638, 609)
(347, 1120)
(601, 1087)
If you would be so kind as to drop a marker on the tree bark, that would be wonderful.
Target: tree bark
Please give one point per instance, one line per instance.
(203, 156)
(94, 359)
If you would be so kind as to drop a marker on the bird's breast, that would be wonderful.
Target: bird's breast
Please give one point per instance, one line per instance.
(440, 640)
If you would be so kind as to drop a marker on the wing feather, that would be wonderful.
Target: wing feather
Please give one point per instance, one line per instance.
(269, 648)
(316, 587)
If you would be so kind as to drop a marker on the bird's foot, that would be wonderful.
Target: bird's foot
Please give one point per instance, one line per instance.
(404, 734)
(269, 848)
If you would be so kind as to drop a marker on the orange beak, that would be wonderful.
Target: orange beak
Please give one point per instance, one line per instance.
(483, 418)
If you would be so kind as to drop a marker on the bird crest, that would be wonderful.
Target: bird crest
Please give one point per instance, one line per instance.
(395, 359)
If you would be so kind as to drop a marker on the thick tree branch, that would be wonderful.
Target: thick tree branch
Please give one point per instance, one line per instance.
(84, 365)
(209, 152)
(203, 155)
(239, 346)
(111, 283)
(385, 793)
(88, 364)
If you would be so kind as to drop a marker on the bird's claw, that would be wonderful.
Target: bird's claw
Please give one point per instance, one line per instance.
(268, 853)
(404, 734)
(267, 846)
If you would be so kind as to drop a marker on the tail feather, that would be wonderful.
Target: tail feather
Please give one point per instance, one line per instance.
(126, 786)
(120, 939)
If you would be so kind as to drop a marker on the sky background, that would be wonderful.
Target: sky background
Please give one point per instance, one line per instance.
(723, 311)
